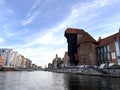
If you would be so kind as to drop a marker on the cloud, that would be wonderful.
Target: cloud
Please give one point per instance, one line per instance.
(49, 39)
(54, 37)
(29, 19)
(86, 11)
(41, 55)
(52, 40)
(35, 5)
(45, 39)
(34, 11)
(1, 40)
(77, 13)
(10, 11)
(81, 12)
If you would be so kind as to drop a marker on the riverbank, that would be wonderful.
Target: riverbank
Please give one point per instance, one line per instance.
(17, 69)
(7, 69)
(91, 71)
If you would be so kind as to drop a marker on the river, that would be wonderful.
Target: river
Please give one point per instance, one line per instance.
(41, 80)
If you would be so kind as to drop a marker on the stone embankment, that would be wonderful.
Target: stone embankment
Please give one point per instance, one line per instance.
(88, 71)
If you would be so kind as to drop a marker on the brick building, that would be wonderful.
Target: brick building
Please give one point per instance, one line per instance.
(108, 49)
(84, 48)
(56, 63)
(66, 59)
(81, 47)
(50, 66)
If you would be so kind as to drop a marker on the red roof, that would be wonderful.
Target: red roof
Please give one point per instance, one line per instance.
(85, 38)
(107, 40)
(74, 30)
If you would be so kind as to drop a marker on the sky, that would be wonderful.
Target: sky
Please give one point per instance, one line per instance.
(35, 28)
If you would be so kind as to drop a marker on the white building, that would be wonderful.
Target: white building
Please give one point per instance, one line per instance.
(14, 59)
(6, 54)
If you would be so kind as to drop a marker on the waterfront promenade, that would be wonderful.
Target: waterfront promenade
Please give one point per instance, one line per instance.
(91, 71)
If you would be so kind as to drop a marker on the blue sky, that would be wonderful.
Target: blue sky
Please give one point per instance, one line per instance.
(35, 28)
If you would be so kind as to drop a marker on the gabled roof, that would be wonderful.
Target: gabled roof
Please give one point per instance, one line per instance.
(74, 31)
(108, 40)
(84, 39)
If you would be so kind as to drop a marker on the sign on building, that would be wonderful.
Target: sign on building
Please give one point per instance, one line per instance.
(113, 55)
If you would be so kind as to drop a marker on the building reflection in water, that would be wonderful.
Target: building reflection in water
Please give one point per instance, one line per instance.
(41, 80)
(83, 82)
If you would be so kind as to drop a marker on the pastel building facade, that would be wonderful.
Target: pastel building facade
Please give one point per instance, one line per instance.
(1, 61)
(15, 61)
(6, 54)
(11, 58)
(28, 63)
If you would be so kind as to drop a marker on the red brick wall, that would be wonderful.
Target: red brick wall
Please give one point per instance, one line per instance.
(112, 50)
(87, 54)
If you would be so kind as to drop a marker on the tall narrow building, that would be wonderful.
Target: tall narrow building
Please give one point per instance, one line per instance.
(81, 47)
(6, 54)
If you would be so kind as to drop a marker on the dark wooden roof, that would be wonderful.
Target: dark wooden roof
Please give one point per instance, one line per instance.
(84, 39)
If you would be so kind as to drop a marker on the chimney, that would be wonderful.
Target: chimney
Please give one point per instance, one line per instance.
(99, 39)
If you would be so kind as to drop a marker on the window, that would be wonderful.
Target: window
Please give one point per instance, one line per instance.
(104, 54)
(3, 51)
(101, 49)
(105, 49)
(101, 57)
(108, 56)
(98, 50)
(105, 57)
(117, 50)
(108, 48)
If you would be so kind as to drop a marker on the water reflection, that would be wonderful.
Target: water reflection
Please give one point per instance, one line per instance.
(80, 82)
(38, 80)
(55, 81)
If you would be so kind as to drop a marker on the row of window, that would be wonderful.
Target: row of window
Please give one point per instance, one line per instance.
(104, 54)
(104, 49)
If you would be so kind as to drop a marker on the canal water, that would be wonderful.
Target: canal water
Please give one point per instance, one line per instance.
(41, 80)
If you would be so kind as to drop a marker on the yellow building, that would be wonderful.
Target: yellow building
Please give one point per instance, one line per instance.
(1, 61)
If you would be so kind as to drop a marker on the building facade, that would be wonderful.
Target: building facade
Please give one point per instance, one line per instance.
(10, 58)
(1, 61)
(50, 66)
(66, 59)
(84, 48)
(57, 62)
(81, 47)
(28, 63)
(108, 49)
(6, 54)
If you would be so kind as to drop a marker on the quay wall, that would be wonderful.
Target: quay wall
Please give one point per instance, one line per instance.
(89, 71)
(112, 71)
